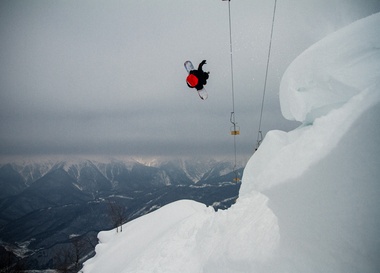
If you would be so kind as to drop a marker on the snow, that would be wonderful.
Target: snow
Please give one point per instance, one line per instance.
(159, 229)
(309, 198)
(335, 76)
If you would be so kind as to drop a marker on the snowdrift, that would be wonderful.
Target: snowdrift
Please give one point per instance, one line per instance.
(309, 199)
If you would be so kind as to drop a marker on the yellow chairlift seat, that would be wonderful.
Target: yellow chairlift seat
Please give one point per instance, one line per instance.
(235, 130)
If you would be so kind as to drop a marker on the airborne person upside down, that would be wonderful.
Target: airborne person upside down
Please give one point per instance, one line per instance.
(197, 78)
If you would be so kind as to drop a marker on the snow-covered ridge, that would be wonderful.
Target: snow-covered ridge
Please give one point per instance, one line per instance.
(340, 72)
(194, 169)
(318, 206)
(334, 70)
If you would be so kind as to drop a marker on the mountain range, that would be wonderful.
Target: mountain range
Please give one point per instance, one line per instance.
(47, 207)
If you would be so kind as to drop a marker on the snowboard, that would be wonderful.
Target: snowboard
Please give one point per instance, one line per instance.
(202, 93)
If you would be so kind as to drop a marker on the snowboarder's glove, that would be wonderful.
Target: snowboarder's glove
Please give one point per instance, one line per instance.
(203, 62)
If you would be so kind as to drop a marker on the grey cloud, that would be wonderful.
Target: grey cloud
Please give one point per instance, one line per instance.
(107, 77)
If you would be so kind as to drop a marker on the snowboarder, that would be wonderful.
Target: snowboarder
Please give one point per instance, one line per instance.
(197, 78)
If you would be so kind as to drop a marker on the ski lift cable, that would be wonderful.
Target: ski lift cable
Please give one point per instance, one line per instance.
(259, 133)
(233, 121)
(235, 130)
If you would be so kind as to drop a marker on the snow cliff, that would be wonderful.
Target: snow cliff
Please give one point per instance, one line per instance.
(309, 198)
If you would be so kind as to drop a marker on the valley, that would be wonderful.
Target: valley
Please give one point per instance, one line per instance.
(51, 212)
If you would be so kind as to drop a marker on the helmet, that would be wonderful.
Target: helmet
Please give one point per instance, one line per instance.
(192, 80)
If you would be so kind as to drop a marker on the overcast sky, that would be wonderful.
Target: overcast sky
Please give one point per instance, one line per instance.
(107, 77)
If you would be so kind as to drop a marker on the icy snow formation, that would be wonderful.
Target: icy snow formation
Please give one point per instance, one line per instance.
(328, 86)
(309, 199)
